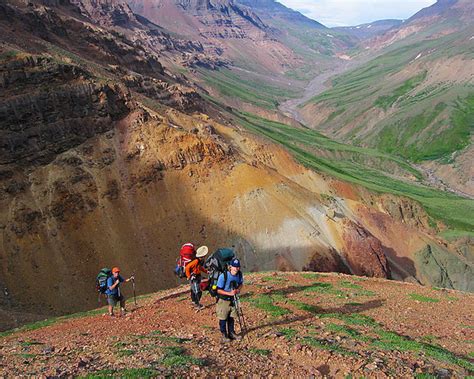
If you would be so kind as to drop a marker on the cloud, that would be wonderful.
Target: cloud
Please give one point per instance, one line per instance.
(355, 12)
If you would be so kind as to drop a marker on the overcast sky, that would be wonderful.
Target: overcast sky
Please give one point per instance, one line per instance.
(355, 12)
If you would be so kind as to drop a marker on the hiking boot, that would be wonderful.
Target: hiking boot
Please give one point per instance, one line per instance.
(199, 306)
(234, 336)
(225, 339)
(123, 312)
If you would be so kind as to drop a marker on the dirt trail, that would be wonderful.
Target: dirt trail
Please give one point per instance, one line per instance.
(300, 324)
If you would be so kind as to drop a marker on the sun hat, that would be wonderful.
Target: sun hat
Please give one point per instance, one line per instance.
(202, 252)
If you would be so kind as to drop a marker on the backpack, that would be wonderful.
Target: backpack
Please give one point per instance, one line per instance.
(186, 255)
(216, 264)
(101, 280)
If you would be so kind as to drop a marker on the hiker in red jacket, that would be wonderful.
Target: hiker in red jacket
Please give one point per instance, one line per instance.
(193, 273)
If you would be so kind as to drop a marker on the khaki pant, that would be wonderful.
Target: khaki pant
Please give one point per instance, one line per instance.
(224, 309)
(114, 299)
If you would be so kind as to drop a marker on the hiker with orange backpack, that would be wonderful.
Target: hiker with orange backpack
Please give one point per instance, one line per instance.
(114, 295)
(193, 272)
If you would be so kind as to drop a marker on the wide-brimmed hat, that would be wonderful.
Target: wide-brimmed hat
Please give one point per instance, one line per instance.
(202, 252)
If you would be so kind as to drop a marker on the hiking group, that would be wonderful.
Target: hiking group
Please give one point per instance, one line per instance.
(224, 283)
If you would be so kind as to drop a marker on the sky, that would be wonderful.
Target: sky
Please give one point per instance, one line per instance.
(355, 12)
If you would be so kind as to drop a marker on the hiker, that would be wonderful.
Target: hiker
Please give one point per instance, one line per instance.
(193, 272)
(113, 292)
(187, 253)
(229, 284)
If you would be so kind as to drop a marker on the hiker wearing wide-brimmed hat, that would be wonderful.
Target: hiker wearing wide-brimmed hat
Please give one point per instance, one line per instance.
(193, 273)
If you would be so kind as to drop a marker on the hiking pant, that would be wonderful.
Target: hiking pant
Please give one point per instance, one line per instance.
(112, 300)
(196, 292)
(226, 314)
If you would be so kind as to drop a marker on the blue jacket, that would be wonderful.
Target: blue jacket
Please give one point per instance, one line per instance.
(110, 282)
(238, 279)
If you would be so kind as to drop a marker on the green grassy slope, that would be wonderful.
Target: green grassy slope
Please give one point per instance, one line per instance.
(418, 117)
(324, 155)
(248, 88)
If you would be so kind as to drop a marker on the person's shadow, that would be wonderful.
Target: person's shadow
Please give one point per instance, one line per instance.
(313, 310)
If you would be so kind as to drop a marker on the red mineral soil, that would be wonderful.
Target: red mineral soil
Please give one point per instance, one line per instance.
(298, 324)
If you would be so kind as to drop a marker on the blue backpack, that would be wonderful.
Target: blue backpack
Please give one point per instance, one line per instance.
(101, 280)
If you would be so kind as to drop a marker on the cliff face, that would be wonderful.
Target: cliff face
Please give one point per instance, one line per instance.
(49, 107)
(106, 12)
(216, 18)
(233, 30)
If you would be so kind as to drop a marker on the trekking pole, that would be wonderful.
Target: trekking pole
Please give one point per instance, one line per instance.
(240, 314)
(134, 293)
(243, 317)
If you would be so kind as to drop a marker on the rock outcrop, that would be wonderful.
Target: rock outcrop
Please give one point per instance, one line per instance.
(48, 107)
(364, 253)
(441, 269)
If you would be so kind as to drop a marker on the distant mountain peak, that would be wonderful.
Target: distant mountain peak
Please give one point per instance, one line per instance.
(447, 9)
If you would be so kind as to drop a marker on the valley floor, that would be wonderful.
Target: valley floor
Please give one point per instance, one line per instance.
(300, 324)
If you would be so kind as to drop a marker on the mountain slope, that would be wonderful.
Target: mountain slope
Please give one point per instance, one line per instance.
(299, 324)
(235, 30)
(414, 100)
(274, 10)
(318, 46)
(106, 152)
(442, 18)
(263, 41)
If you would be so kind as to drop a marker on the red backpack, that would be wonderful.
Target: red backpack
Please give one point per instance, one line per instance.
(186, 255)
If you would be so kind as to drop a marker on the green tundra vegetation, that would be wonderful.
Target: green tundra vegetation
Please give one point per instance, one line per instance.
(417, 118)
(353, 164)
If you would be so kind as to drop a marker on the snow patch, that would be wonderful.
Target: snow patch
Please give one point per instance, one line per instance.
(418, 56)
(368, 27)
(330, 35)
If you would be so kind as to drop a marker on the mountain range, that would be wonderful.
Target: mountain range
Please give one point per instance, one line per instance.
(414, 99)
